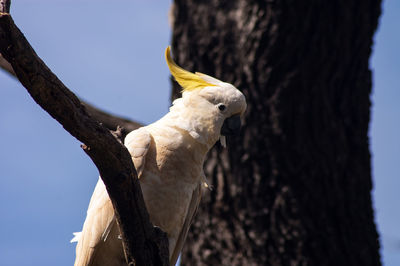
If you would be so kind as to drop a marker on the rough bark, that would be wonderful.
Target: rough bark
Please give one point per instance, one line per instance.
(295, 187)
(143, 244)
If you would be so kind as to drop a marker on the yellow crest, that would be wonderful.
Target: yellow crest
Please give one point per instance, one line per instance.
(188, 80)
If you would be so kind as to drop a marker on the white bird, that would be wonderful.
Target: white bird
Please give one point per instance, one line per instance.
(168, 156)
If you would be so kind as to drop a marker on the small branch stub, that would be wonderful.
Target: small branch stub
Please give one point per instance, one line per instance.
(85, 148)
(118, 134)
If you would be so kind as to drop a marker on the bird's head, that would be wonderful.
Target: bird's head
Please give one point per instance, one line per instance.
(209, 108)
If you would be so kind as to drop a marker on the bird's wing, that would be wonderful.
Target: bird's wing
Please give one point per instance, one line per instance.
(193, 206)
(100, 219)
(138, 143)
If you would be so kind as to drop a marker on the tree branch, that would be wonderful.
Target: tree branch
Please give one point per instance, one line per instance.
(143, 243)
(111, 121)
(108, 120)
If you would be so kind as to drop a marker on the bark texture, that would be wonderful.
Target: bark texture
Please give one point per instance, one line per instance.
(295, 187)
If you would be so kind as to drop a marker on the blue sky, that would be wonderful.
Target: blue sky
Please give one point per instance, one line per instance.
(112, 56)
(385, 131)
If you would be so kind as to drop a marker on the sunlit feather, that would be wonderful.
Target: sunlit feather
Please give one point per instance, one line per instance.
(188, 81)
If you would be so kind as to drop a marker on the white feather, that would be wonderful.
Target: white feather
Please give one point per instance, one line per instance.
(77, 236)
(222, 140)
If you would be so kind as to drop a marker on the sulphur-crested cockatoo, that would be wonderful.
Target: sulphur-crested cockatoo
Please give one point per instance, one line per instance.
(168, 156)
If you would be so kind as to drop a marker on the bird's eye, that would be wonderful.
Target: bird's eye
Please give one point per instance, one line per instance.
(221, 107)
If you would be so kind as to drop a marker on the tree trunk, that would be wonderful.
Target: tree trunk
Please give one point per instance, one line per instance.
(295, 187)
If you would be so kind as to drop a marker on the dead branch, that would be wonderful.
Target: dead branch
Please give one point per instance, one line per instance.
(108, 120)
(143, 244)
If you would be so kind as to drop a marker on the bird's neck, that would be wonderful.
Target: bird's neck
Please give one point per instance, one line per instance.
(204, 130)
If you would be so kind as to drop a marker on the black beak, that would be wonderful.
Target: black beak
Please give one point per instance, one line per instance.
(231, 125)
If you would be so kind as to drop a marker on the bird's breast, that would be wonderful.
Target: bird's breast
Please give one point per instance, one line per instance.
(166, 202)
(174, 166)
